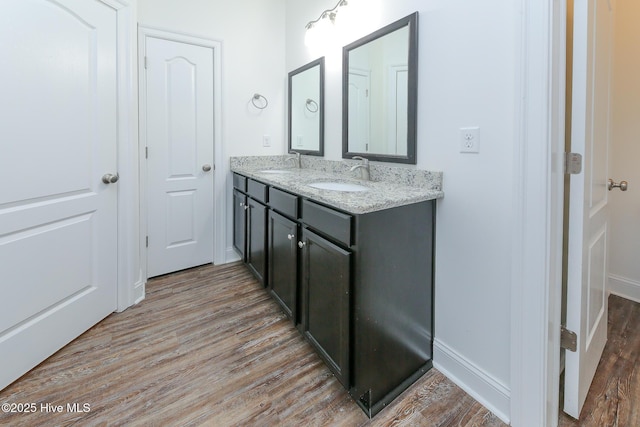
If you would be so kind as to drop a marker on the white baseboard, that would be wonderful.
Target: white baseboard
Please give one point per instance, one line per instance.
(624, 287)
(231, 255)
(139, 291)
(491, 393)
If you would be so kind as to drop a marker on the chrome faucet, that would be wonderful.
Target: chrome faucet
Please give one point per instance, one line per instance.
(365, 171)
(296, 159)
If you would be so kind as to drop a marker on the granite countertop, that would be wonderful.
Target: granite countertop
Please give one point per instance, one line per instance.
(389, 186)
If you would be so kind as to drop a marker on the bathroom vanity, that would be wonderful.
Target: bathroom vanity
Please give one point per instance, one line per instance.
(350, 263)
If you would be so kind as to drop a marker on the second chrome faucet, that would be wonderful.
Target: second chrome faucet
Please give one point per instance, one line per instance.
(365, 172)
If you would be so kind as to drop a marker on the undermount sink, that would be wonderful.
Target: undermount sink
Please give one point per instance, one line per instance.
(275, 171)
(338, 186)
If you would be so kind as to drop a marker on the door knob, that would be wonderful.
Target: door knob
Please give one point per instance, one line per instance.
(622, 185)
(109, 178)
(206, 168)
(290, 236)
(302, 244)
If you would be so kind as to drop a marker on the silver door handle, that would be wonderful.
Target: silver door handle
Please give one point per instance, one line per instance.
(206, 168)
(302, 244)
(109, 178)
(290, 236)
(622, 185)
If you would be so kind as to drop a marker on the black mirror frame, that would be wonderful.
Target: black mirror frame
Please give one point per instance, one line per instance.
(412, 111)
(318, 62)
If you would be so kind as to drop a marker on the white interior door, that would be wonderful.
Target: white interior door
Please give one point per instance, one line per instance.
(58, 253)
(180, 139)
(359, 111)
(589, 204)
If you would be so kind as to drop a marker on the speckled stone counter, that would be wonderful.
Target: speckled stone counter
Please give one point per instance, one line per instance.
(389, 186)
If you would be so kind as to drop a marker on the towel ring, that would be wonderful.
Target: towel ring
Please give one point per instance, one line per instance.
(257, 97)
(311, 105)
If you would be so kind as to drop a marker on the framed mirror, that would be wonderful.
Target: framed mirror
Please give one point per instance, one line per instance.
(379, 94)
(306, 109)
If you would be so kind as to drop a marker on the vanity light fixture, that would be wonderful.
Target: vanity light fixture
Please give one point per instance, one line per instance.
(317, 29)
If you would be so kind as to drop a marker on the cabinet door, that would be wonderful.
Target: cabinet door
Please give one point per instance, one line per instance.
(239, 223)
(326, 287)
(257, 239)
(283, 262)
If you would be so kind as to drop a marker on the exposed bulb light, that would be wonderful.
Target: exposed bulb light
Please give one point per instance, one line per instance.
(320, 29)
(311, 36)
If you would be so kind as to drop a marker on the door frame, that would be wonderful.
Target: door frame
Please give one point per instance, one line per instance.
(218, 149)
(538, 193)
(128, 275)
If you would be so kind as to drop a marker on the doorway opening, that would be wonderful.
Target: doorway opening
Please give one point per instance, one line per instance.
(622, 278)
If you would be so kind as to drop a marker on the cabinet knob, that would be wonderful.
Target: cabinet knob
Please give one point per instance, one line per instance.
(302, 244)
(290, 236)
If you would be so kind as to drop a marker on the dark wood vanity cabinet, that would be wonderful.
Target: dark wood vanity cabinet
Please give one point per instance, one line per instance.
(240, 208)
(250, 224)
(358, 286)
(283, 263)
(256, 256)
(283, 251)
(392, 311)
(326, 298)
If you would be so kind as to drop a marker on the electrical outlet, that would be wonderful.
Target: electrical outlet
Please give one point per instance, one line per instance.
(266, 141)
(470, 140)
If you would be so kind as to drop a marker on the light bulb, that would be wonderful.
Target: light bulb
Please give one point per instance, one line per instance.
(311, 36)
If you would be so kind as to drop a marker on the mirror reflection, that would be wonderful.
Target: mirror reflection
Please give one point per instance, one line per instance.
(380, 94)
(306, 109)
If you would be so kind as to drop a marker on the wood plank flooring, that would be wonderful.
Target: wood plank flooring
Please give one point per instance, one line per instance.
(209, 347)
(614, 396)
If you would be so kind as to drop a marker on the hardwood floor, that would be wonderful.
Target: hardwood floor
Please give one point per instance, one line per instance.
(208, 346)
(614, 396)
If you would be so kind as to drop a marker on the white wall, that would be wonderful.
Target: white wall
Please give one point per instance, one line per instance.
(468, 67)
(624, 245)
(252, 33)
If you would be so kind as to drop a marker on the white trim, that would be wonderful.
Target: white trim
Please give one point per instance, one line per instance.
(128, 249)
(537, 221)
(624, 287)
(142, 164)
(221, 169)
(139, 291)
(553, 287)
(490, 392)
(232, 255)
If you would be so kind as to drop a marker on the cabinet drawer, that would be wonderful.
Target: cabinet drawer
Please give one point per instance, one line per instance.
(332, 223)
(240, 182)
(257, 190)
(283, 202)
